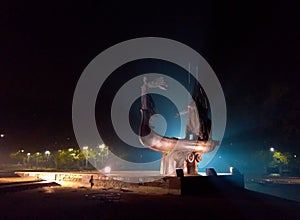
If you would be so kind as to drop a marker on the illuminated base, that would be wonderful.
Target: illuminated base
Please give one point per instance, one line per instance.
(186, 160)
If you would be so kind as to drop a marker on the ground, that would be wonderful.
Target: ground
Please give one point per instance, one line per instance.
(73, 200)
(71, 203)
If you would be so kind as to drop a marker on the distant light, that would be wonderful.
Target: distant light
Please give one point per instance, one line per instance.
(47, 152)
(220, 157)
(107, 170)
(22, 151)
(28, 154)
(70, 149)
(101, 146)
(231, 169)
(2, 135)
(85, 147)
(295, 155)
(37, 153)
(272, 149)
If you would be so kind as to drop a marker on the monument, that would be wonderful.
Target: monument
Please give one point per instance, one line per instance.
(178, 153)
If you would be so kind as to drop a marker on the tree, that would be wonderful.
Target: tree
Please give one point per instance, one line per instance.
(272, 161)
(37, 159)
(281, 158)
(19, 156)
(96, 155)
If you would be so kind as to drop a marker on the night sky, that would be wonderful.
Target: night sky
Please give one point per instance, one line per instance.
(252, 47)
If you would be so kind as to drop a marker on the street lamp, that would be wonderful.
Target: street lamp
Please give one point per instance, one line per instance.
(47, 153)
(85, 148)
(28, 157)
(272, 149)
(37, 158)
(102, 146)
(103, 153)
(107, 170)
(2, 135)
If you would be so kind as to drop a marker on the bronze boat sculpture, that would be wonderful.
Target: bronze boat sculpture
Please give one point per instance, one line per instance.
(176, 153)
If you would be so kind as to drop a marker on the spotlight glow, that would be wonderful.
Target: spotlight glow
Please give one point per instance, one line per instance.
(107, 170)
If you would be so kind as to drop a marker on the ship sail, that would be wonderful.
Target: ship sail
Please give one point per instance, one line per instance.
(198, 125)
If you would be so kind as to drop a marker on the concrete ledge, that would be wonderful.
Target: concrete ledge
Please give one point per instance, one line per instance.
(186, 185)
(25, 186)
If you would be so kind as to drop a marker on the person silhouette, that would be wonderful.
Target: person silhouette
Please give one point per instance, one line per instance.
(91, 181)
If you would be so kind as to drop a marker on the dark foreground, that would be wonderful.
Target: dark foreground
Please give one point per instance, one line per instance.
(72, 203)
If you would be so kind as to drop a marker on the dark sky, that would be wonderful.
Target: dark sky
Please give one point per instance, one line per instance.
(253, 48)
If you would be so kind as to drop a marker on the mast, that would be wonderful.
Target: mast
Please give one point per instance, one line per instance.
(202, 104)
(198, 125)
(193, 123)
